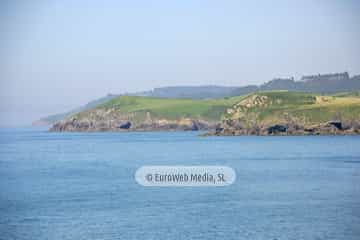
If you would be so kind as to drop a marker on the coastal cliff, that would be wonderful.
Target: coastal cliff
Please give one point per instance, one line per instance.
(99, 120)
(286, 113)
(261, 113)
(131, 113)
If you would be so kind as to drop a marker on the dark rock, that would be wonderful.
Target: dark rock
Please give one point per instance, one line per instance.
(310, 130)
(125, 125)
(276, 129)
(219, 129)
(336, 124)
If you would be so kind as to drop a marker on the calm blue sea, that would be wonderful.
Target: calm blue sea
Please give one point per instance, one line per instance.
(81, 186)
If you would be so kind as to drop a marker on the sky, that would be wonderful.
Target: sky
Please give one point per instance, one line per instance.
(58, 55)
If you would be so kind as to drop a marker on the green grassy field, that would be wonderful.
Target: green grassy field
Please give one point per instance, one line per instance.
(277, 106)
(307, 108)
(211, 109)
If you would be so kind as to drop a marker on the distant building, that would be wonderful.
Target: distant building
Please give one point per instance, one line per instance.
(328, 77)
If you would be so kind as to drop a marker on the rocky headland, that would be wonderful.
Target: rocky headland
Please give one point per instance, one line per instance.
(99, 120)
(263, 113)
(278, 113)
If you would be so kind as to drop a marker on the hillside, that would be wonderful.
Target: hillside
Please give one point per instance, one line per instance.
(193, 92)
(145, 113)
(321, 83)
(262, 113)
(292, 113)
(182, 92)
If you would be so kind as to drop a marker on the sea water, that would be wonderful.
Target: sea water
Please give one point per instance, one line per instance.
(82, 186)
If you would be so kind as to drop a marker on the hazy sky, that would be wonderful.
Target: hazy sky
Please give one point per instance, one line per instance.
(56, 55)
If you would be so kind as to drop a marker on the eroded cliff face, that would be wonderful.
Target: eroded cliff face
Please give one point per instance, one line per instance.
(236, 128)
(272, 115)
(111, 120)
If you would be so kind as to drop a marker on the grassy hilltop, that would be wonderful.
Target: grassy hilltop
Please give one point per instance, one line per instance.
(261, 109)
(311, 107)
(272, 107)
(170, 108)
